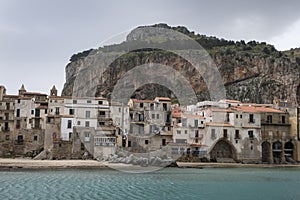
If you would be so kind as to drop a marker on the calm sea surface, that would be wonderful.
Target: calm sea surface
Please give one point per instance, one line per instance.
(169, 183)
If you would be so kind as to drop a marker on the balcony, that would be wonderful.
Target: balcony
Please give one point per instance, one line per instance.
(252, 121)
(197, 137)
(5, 129)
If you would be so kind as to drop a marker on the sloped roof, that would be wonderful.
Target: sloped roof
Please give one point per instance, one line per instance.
(258, 109)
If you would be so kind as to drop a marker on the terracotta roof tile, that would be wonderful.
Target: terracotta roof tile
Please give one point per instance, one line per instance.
(258, 109)
(163, 98)
(142, 101)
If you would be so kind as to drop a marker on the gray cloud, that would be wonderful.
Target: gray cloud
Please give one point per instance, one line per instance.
(37, 37)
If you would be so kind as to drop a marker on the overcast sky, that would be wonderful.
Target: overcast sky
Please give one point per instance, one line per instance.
(37, 37)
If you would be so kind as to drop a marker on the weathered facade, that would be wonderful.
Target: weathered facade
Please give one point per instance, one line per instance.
(234, 131)
(23, 122)
(150, 124)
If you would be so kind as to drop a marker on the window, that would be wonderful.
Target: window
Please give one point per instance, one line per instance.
(18, 124)
(102, 113)
(129, 143)
(18, 112)
(78, 123)
(185, 132)
(237, 134)
(102, 123)
(6, 137)
(19, 100)
(141, 117)
(196, 133)
(163, 142)
(151, 106)
(20, 138)
(69, 124)
(86, 136)
(35, 138)
(146, 141)
(153, 116)
(227, 117)
(32, 112)
(165, 106)
(100, 102)
(74, 101)
(87, 124)
(6, 116)
(87, 114)
(89, 101)
(70, 135)
(157, 116)
(236, 116)
(56, 111)
(241, 116)
(141, 105)
(283, 119)
(46, 111)
(251, 118)
(213, 133)
(178, 132)
(195, 123)
(269, 119)
(251, 135)
(225, 133)
(37, 112)
(71, 111)
(184, 122)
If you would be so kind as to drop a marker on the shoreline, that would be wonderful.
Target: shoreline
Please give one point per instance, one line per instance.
(20, 163)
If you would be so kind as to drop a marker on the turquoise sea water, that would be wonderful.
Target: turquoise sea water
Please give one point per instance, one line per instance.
(168, 183)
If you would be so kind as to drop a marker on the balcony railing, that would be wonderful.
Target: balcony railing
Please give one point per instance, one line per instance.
(251, 121)
(5, 129)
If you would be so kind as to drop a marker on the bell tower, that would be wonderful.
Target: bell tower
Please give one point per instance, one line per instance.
(22, 90)
(53, 91)
(2, 92)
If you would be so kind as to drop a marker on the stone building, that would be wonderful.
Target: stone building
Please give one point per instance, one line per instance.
(73, 124)
(24, 122)
(7, 123)
(150, 124)
(188, 134)
(234, 131)
(119, 113)
(279, 145)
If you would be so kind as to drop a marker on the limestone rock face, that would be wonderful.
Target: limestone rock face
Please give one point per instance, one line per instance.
(252, 72)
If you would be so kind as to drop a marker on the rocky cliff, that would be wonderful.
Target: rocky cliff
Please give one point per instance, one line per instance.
(251, 72)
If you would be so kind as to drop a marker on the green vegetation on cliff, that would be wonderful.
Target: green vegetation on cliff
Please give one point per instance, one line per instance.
(251, 71)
